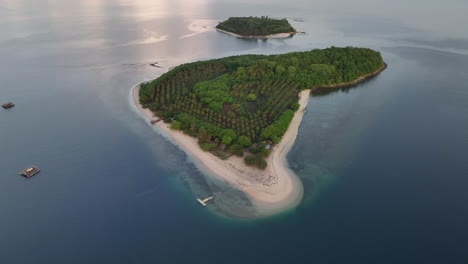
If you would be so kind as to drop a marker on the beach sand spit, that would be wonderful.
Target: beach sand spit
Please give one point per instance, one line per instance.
(272, 190)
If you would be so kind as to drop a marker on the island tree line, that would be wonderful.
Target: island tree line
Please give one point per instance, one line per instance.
(247, 102)
(256, 26)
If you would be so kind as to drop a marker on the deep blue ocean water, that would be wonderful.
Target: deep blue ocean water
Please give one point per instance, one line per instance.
(383, 163)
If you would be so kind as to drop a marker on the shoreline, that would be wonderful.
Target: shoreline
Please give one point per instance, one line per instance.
(279, 35)
(354, 82)
(272, 190)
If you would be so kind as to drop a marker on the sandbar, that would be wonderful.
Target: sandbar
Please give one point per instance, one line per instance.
(279, 35)
(272, 190)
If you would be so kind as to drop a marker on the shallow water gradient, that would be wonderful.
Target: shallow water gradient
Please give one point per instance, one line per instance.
(383, 164)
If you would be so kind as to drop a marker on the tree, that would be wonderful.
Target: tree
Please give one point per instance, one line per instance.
(229, 133)
(244, 141)
(227, 140)
(194, 128)
(207, 146)
(279, 69)
(204, 135)
(176, 125)
(237, 150)
(295, 106)
(250, 160)
(261, 163)
(251, 97)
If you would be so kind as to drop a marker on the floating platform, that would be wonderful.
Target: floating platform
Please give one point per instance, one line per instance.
(8, 105)
(203, 202)
(29, 172)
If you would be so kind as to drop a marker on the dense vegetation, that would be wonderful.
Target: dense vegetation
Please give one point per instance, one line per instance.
(243, 102)
(255, 26)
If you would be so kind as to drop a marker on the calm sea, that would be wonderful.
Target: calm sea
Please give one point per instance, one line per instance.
(383, 163)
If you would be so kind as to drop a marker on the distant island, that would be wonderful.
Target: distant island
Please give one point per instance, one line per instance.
(239, 116)
(256, 27)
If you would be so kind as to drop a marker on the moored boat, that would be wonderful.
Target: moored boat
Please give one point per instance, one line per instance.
(31, 171)
(8, 105)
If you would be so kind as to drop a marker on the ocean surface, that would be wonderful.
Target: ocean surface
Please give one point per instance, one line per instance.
(384, 164)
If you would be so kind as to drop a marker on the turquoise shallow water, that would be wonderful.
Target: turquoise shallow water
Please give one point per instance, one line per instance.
(383, 163)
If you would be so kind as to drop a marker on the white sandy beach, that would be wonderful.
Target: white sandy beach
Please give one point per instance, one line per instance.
(272, 190)
(280, 35)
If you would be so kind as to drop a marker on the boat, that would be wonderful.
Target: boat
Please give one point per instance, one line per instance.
(8, 105)
(203, 202)
(29, 172)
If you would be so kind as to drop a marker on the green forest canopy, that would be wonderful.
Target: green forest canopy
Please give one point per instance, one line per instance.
(241, 101)
(255, 26)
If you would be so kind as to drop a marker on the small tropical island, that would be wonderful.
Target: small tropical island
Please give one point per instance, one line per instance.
(237, 117)
(256, 27)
